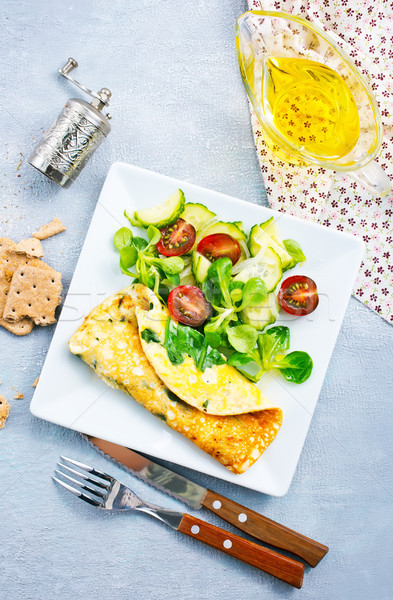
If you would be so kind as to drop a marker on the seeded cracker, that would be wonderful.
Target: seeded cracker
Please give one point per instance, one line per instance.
(52, 228)
(31, 247)
(33, 293)
(22, 327)
(4, 411)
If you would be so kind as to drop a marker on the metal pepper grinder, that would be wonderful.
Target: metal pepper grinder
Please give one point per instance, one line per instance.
(74, 136)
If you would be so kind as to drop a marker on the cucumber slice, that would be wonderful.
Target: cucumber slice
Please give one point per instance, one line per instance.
(197, 214)
(253, 245)
(271, 229)
(187, 277)
(132, 219)
(259, 239)
(221, 227)
(200, 266)
(266, 265)
(263, 315)
(239, 225)
(162, 214)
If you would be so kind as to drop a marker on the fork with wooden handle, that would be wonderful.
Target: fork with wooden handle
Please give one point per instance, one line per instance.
(108, 493)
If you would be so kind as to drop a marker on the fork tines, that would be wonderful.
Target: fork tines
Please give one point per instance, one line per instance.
(103, 484)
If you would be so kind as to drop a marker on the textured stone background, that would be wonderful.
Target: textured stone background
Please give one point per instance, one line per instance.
(178, 108)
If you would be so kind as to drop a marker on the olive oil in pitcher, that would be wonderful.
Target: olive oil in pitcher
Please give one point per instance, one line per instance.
(311, 106)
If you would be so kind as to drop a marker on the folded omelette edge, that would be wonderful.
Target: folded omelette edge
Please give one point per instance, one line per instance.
(108, 340)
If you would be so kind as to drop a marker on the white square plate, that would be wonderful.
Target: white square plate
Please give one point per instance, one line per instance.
(70, 394)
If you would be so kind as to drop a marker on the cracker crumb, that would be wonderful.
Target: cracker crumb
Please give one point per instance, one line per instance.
(4, 411)
(35, 382)
(52, 228)
(18, 396)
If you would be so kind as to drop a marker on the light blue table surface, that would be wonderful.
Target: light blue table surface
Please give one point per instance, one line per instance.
(178, 108)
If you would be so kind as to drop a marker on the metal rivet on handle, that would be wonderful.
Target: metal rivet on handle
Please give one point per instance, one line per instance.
(195, 529)
(217, 504)
(242, 517)
(227, 544)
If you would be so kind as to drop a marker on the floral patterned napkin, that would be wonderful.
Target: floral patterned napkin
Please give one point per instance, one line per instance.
(332, 199)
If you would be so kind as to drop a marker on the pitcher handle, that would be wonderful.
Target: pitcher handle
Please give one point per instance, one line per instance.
(373, 178)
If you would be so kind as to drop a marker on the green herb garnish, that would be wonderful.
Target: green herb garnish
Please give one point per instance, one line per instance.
(228, 299)
(270, 354)
(181, 340)
(149, 336)
(295, 251)
(150, 270)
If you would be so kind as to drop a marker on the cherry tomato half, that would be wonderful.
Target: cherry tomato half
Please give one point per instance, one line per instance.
(176, 239)
(188, 305)
(218, 245)
(298, 295)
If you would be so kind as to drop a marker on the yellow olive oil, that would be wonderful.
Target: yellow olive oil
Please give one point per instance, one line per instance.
(311, 106)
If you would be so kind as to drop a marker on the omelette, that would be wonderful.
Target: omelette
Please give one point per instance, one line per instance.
(218, 390)
(109, 341)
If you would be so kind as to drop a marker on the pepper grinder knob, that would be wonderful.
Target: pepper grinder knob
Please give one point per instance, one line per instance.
(101, 98)
(69, 66)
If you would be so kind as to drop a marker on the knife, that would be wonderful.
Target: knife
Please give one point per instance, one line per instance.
(196, 496)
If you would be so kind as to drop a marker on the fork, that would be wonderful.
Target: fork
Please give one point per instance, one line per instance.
(111, 494)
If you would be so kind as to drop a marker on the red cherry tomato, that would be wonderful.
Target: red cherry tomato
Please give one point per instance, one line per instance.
(176, 239)
(219, 245)
(298, 295)
(188, 305)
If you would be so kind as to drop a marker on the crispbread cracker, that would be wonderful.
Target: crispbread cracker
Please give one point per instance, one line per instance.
(4, 287)
(16, 256)
(10, 261)
(4, 411)
(13, 260)
(52, 228)
(31, 247)
(33, 293)
(6, 244)
(22, 327)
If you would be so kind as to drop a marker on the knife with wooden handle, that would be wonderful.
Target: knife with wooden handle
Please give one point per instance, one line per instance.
(196, 496)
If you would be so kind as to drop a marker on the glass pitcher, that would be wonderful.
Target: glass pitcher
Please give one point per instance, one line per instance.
(267, 40)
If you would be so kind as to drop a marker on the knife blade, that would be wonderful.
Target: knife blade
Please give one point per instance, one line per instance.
(196, 496)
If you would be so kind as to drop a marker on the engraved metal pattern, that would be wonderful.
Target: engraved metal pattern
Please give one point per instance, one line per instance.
(70, 140)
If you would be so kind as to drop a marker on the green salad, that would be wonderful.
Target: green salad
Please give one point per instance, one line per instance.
(224, 288)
